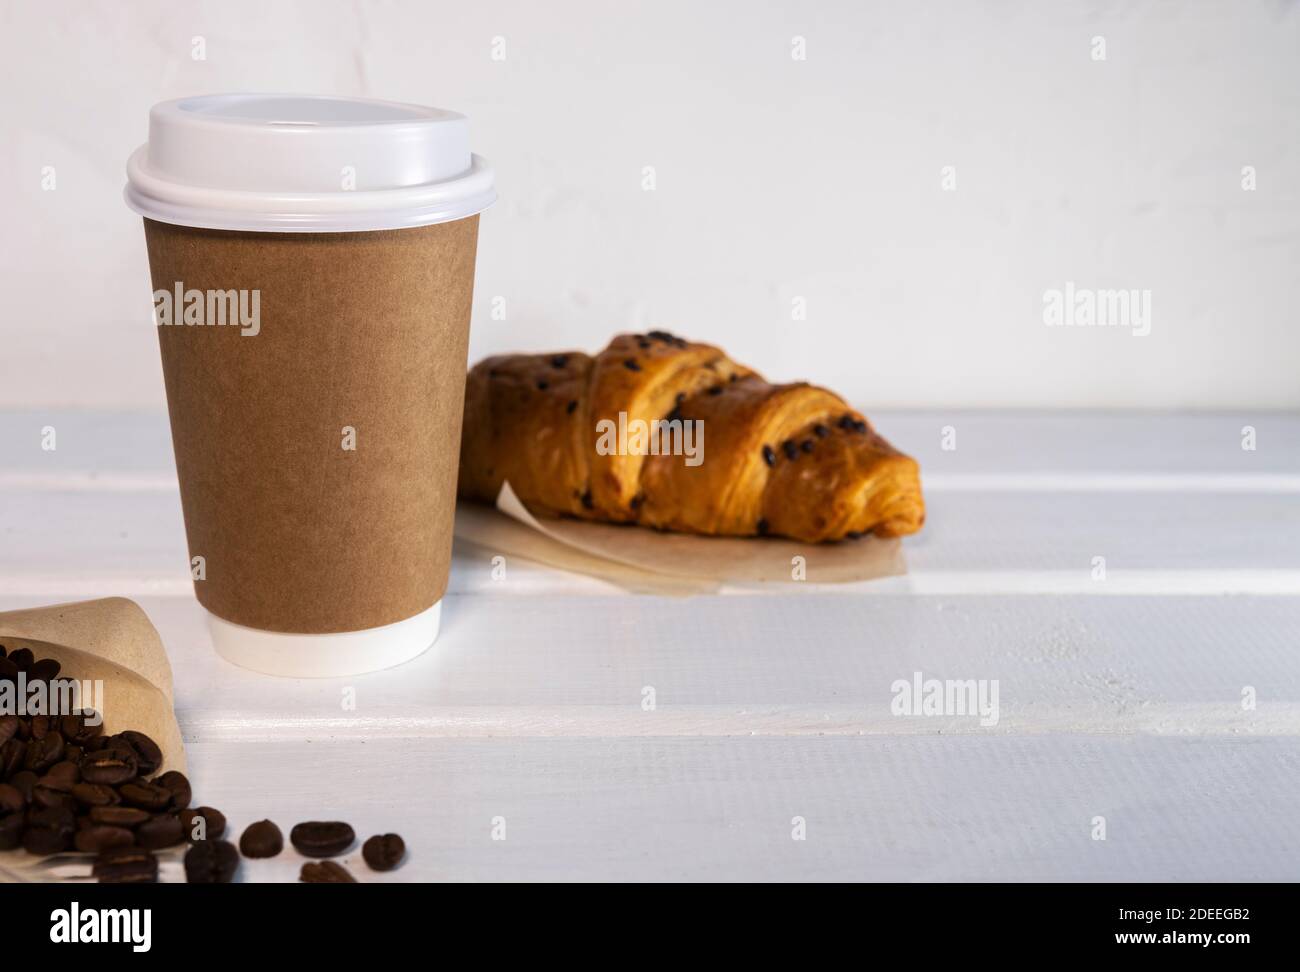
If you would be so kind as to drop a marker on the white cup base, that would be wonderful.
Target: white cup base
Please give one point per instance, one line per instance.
(325, 655)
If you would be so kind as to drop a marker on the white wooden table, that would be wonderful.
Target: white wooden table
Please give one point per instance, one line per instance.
(1120, 697)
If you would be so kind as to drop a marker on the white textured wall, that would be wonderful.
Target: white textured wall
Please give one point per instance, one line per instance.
(776, 179)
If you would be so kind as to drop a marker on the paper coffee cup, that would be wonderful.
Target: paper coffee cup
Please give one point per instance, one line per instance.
(312, 261)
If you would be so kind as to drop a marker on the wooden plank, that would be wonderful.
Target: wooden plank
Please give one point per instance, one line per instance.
(937, 808)
(742, 666)
(131, 542)
(985, 442)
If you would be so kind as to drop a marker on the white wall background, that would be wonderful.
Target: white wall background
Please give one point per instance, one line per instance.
(776, 179)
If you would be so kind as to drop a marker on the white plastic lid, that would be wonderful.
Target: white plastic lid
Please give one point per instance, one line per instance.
(305, 164)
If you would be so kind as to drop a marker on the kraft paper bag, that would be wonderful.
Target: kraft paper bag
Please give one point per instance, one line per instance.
(112, 641)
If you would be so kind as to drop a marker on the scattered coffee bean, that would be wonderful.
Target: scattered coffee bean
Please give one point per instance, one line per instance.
(179, 785)
(110, 767)
(79, 728)
(49, 798)
(95, 795)
(148, 756)
(44, 670)
(126, 865)
(12, 799)
(118, 816)
(325, 872)
(159, 831)
(63, 775)
(8, 728)
(44, 752)
(145, 795)
(11, 831)
(262, 839)
(214, 824)
(101, 837)
(12, 756)
(25, 781)
(383, 852)
(211, 862)
(49, 830)
(322, 838)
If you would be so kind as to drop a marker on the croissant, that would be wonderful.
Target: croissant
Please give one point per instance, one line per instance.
(666, 433)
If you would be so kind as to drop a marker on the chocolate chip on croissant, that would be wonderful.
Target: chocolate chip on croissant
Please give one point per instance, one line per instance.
(777, 460)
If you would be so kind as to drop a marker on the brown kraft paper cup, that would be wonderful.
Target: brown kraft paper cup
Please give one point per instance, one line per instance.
(361, 331)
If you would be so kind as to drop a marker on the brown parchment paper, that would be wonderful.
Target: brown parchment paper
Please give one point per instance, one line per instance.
(110, 639)
(367, 331)
(673, 562)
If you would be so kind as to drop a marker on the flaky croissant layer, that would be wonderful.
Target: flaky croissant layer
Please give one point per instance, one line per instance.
(671, 434)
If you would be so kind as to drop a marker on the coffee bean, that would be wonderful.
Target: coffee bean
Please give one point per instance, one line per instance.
(95, 795)
(12, 799)
(383, 852)
(44, 752)
(159, 831)
(126, 865)
(12, 756)
(148, 756)
(99, 837)
(48, 798)
(79, 728)
(22, 659)
(118, 816)
(45, 670)
(63, 775)
(145, 795)
(322, 838)
(179, 785)
(8, 728)
(211, 862)
(49, 831)
(109, 766)
(262, 839)
(25, 781)
(11, 831)
(325, 872)
(214, 823)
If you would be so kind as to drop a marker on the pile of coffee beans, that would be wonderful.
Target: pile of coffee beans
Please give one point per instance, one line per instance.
(67, 786)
